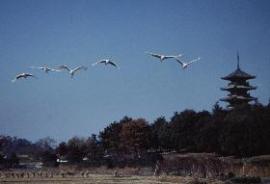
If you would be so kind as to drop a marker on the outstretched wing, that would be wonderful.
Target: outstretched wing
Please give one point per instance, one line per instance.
(169, 57)
(64, 67)
(194, 60)
(37, 67)
(179, 61)
(79, 68)
(113, 64)
(179, 56)
(54, 70)
(154, 55)
(173, 56)
(29, 75)
(101, 61)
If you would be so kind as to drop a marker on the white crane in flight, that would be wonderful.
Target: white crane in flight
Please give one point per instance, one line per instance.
(186, 64)
(45, 69)
(106, 62)
(23, 76)
(72, 72)
(163, 57)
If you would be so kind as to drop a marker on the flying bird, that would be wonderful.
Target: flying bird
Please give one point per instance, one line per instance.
(23, 75)
(106, 62)
(186, 64)
(72, 71)
(45, 69)
(162, 57)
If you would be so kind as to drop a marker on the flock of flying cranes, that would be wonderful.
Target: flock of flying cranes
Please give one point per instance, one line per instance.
(106, 62)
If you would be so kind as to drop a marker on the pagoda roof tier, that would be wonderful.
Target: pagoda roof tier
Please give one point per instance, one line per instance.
(237, 98)
(234, 86)
(238, 74)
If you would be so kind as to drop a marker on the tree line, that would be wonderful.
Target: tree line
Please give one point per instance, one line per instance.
(243, 132)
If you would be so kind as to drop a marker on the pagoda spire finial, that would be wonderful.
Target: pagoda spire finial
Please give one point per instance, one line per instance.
(238, 66)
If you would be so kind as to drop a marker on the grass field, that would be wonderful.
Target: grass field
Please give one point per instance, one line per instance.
(109, 179)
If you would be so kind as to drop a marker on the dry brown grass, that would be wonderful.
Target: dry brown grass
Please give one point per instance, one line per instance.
(107, 179)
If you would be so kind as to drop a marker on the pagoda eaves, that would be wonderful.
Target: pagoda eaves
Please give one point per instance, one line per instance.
(238, 87)
(238, 74)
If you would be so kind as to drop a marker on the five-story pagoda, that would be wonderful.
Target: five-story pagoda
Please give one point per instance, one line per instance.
(238, 87)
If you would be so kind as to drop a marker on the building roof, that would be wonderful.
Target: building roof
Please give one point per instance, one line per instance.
(234, 86)
(238, 74)
(237, 98)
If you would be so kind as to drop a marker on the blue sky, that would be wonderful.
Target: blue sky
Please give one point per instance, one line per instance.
(34, 33)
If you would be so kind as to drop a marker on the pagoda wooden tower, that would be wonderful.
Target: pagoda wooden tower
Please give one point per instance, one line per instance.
(238, 87)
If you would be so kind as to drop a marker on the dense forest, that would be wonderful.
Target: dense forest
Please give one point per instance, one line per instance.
(242, 132)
